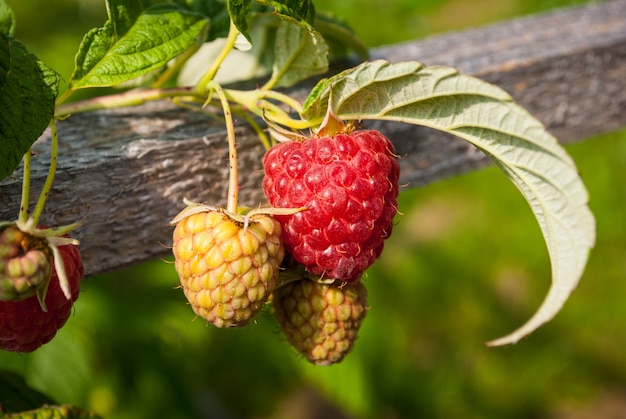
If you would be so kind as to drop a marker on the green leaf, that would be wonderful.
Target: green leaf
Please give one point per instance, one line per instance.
(487, 117)
(132, 44)
(299, 52)
(216, 11)
(28, 89)
(7, 20)
(300, 10)
(123, 14)
(239, 12)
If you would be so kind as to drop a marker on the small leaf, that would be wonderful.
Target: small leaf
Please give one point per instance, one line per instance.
(123, 14)
(487, 117)
(216, 11)
(299, 10)
(7, 20)
(239, 12)
(299, 52)
(28, 89)
(130, 46)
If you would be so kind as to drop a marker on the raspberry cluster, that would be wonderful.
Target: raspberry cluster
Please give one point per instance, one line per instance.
(333, 200)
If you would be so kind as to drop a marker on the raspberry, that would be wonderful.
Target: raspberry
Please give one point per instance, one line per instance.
(320, 320)
(349, 183)
(25, 263)
(227, 265)
(24, 326)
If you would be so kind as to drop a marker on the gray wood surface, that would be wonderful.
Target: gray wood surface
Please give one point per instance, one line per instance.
(127, 170)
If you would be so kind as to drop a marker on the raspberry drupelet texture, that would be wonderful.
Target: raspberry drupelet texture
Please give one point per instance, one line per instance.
(349, 184)
(227, 269)
(24, 326)
(321, 320)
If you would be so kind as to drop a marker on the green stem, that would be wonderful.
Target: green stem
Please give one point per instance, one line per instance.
(233, 179)
(130, 98)
(281, 97)
(64, 96)
(23, 215)
(204, 81)
(41, 202)
(257, 102)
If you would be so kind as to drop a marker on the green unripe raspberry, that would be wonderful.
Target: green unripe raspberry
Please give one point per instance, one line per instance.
(321, 320)
(227, 268)
(25, 264)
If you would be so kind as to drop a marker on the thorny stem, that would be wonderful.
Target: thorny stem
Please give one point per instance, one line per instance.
(233, 179)
(204, 81)
(41, 202)
(23, 215)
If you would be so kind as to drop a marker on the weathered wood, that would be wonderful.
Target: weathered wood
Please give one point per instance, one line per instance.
(129, 169)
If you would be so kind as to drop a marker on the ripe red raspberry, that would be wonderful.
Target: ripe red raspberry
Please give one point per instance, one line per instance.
(321, 320)
(349, 183)
(24, 326)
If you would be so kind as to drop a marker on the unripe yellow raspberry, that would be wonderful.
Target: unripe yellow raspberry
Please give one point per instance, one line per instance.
(321, 320)
(227, 264)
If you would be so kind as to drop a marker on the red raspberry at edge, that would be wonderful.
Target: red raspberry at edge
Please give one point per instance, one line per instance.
(24, 327)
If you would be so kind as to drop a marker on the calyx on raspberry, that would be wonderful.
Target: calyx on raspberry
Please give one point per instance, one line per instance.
(24, 263)
(24, 324)
(27, 254)
(349, 183)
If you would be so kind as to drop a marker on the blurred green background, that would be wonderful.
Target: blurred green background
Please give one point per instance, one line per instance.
(466, 264)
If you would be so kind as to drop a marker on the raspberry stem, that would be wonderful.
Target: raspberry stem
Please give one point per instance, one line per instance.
(41, 202)
(23, 215)
(233, 179)
(205, 80)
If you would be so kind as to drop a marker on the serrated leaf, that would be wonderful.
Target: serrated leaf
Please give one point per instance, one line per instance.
(487, 117)
(299, 52)
(130, 46)
(7, 19)
(28, 89)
